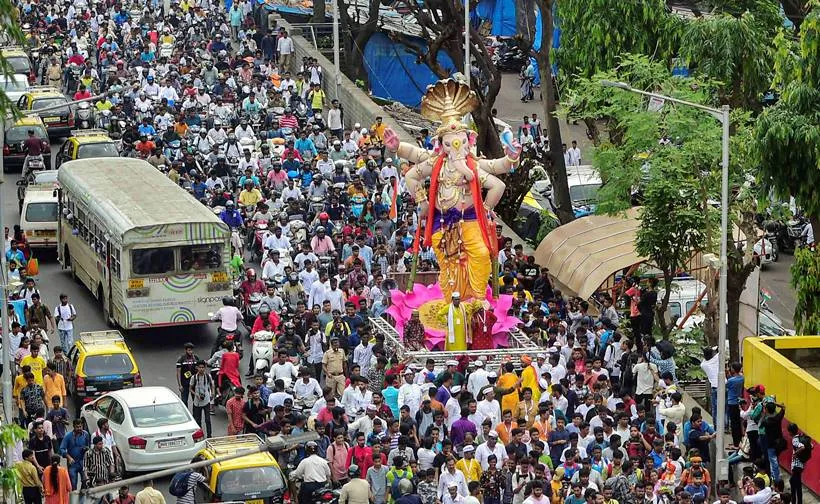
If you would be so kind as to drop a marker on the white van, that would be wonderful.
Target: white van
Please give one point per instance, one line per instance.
(583, 181)
(685, 292)
(38, 217)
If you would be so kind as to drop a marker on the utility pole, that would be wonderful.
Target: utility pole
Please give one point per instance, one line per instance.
(467, 70)
(8, 362)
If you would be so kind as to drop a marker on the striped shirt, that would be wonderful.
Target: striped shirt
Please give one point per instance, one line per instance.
(193, 480)
(98, 465)
(796, 445)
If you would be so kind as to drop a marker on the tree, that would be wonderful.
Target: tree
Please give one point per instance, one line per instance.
(12, 33)
(442, 29)
(787, 135)
(355, 32)
(319, 11)
(596, 33)
(738, 54)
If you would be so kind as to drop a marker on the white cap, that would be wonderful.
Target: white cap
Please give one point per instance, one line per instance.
(452, 484)
(408, 371)
(451, 363)
(492, 434)
(388, 160)
(372, 407)
(486, 389)
(357, 126)
(541, 356)
(456, 389)
(479, 363)
(456, 295)
(469, 448)
(492, 375)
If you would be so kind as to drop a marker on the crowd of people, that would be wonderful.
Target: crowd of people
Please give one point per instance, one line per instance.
(596, 417)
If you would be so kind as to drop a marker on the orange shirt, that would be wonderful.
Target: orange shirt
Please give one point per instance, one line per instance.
(504, 432)
(54, 386)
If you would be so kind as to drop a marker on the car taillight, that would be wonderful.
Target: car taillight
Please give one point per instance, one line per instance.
(71, 118)
(327, 496)
(32, 78)
(138, 380)
(137, 443)
(80, 383)
(198, 436)
(6, 150)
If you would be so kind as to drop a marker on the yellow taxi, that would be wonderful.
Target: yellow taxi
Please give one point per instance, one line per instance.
(101, 362)
(87, 144)
(58, 121)
(19, 62)
(252, 479)
(16, 134)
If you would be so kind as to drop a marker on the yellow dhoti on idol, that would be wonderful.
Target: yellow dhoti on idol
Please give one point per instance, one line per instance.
(463, 259)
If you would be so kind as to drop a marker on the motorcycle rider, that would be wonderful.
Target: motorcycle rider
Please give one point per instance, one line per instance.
(289, 338)
(319, 188)
(277, 241)
(291, 192)
(232, 148)
(288, 120)
(202, 144)
(210, 74)
(244, 130)
(231, 321)
(249, 162)
(221, 168)
(277, 177)
(231, 216)
(251, 106)
(142, 103)
(169, 93)
(272, 267)
(151, 88)
(203, 99)
(265, 159)
(251, 285)
(217, 134)
(33, 147)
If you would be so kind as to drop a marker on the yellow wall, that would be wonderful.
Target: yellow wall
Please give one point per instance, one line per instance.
(796, 389)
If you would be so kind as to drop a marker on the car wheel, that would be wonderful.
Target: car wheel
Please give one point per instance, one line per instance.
(121, 469)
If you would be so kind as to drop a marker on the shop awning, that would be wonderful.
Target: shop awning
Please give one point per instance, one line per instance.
(582, 254)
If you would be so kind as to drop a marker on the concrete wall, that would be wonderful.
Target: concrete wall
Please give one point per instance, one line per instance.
(358, 107)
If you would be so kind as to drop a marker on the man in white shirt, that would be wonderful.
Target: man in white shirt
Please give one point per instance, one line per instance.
(491, 447)
(316, 293)
(575, 154)
(410, 392)
(307, 276)
(364, 424)
(709, 365)
(64, 314)
(489, 407)
(283, 368)
(335, 296)
(306, 388)
(334, 119)
(477, 379)
(362, 355)
(356, 397)
(273, 267)
(285, 48)
(452, 477)
(277, 240)
(452, 407)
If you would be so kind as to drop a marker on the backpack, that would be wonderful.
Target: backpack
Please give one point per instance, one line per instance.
(179, 484)
(805, 455)
(394, 487)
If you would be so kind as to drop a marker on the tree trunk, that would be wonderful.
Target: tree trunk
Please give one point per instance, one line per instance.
(660, 311)
(733, 323)
(319, 9)
(556, 168)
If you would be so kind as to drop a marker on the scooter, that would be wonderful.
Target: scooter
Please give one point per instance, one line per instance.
(85, 116)
(252, 308)
(262, 351)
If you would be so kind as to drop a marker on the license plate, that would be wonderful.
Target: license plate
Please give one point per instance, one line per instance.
(45, 234)
(49, 120)
(220, 276)
(136, 284)
(171, 443)
(90, 388)
(256, 501)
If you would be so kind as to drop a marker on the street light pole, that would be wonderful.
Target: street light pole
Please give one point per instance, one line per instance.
(8, 361)
(721, 115)
(336, 46)
(467, 41)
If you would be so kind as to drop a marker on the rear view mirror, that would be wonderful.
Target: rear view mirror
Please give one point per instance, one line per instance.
(21, 182)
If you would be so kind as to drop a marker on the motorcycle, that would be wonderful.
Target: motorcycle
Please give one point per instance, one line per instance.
(261, 233)
(251, 310)
(85, 116)
(325, 494)
(262, 351)
(794, 229)
(32, 165)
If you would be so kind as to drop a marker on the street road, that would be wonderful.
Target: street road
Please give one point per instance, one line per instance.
(156, 350)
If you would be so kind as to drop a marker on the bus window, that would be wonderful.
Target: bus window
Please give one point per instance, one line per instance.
(152, 261)
(201, 257)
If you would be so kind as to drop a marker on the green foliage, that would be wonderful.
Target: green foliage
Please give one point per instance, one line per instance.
(10, 435)
(689, 345)
(11, 34)
(548, 222)
(806, 281)
(595, 33)
(734, 50)
(788, 134)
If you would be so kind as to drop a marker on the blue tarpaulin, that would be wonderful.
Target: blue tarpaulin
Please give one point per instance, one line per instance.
(502, 15)
(393, 72)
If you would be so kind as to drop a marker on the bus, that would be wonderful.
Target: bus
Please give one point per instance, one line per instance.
(151, 254)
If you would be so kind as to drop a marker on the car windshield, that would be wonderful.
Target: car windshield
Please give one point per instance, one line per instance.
(159, 415)
(41, 212)
(96, 150)
(42, 103)
(107, 364)
(20, 64)
(47, 177)
(13, 84)
(584, 193)
(20, 133)
(251, 480)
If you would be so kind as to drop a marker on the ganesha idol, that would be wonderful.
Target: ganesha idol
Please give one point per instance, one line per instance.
(458, 218)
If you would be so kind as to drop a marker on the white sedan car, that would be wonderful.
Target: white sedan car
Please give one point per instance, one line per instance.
(152, 427)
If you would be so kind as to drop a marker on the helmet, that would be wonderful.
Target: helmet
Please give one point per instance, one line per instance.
(324, 216)
(229, 203)
(270, 285)
(227, 300)
(353, 471)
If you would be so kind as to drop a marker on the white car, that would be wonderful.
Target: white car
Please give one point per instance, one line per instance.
(152, 427)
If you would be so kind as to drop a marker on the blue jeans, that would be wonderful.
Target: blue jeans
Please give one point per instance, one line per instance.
(66, 339)
(75, 474)
(713, 404)
(774, 465)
